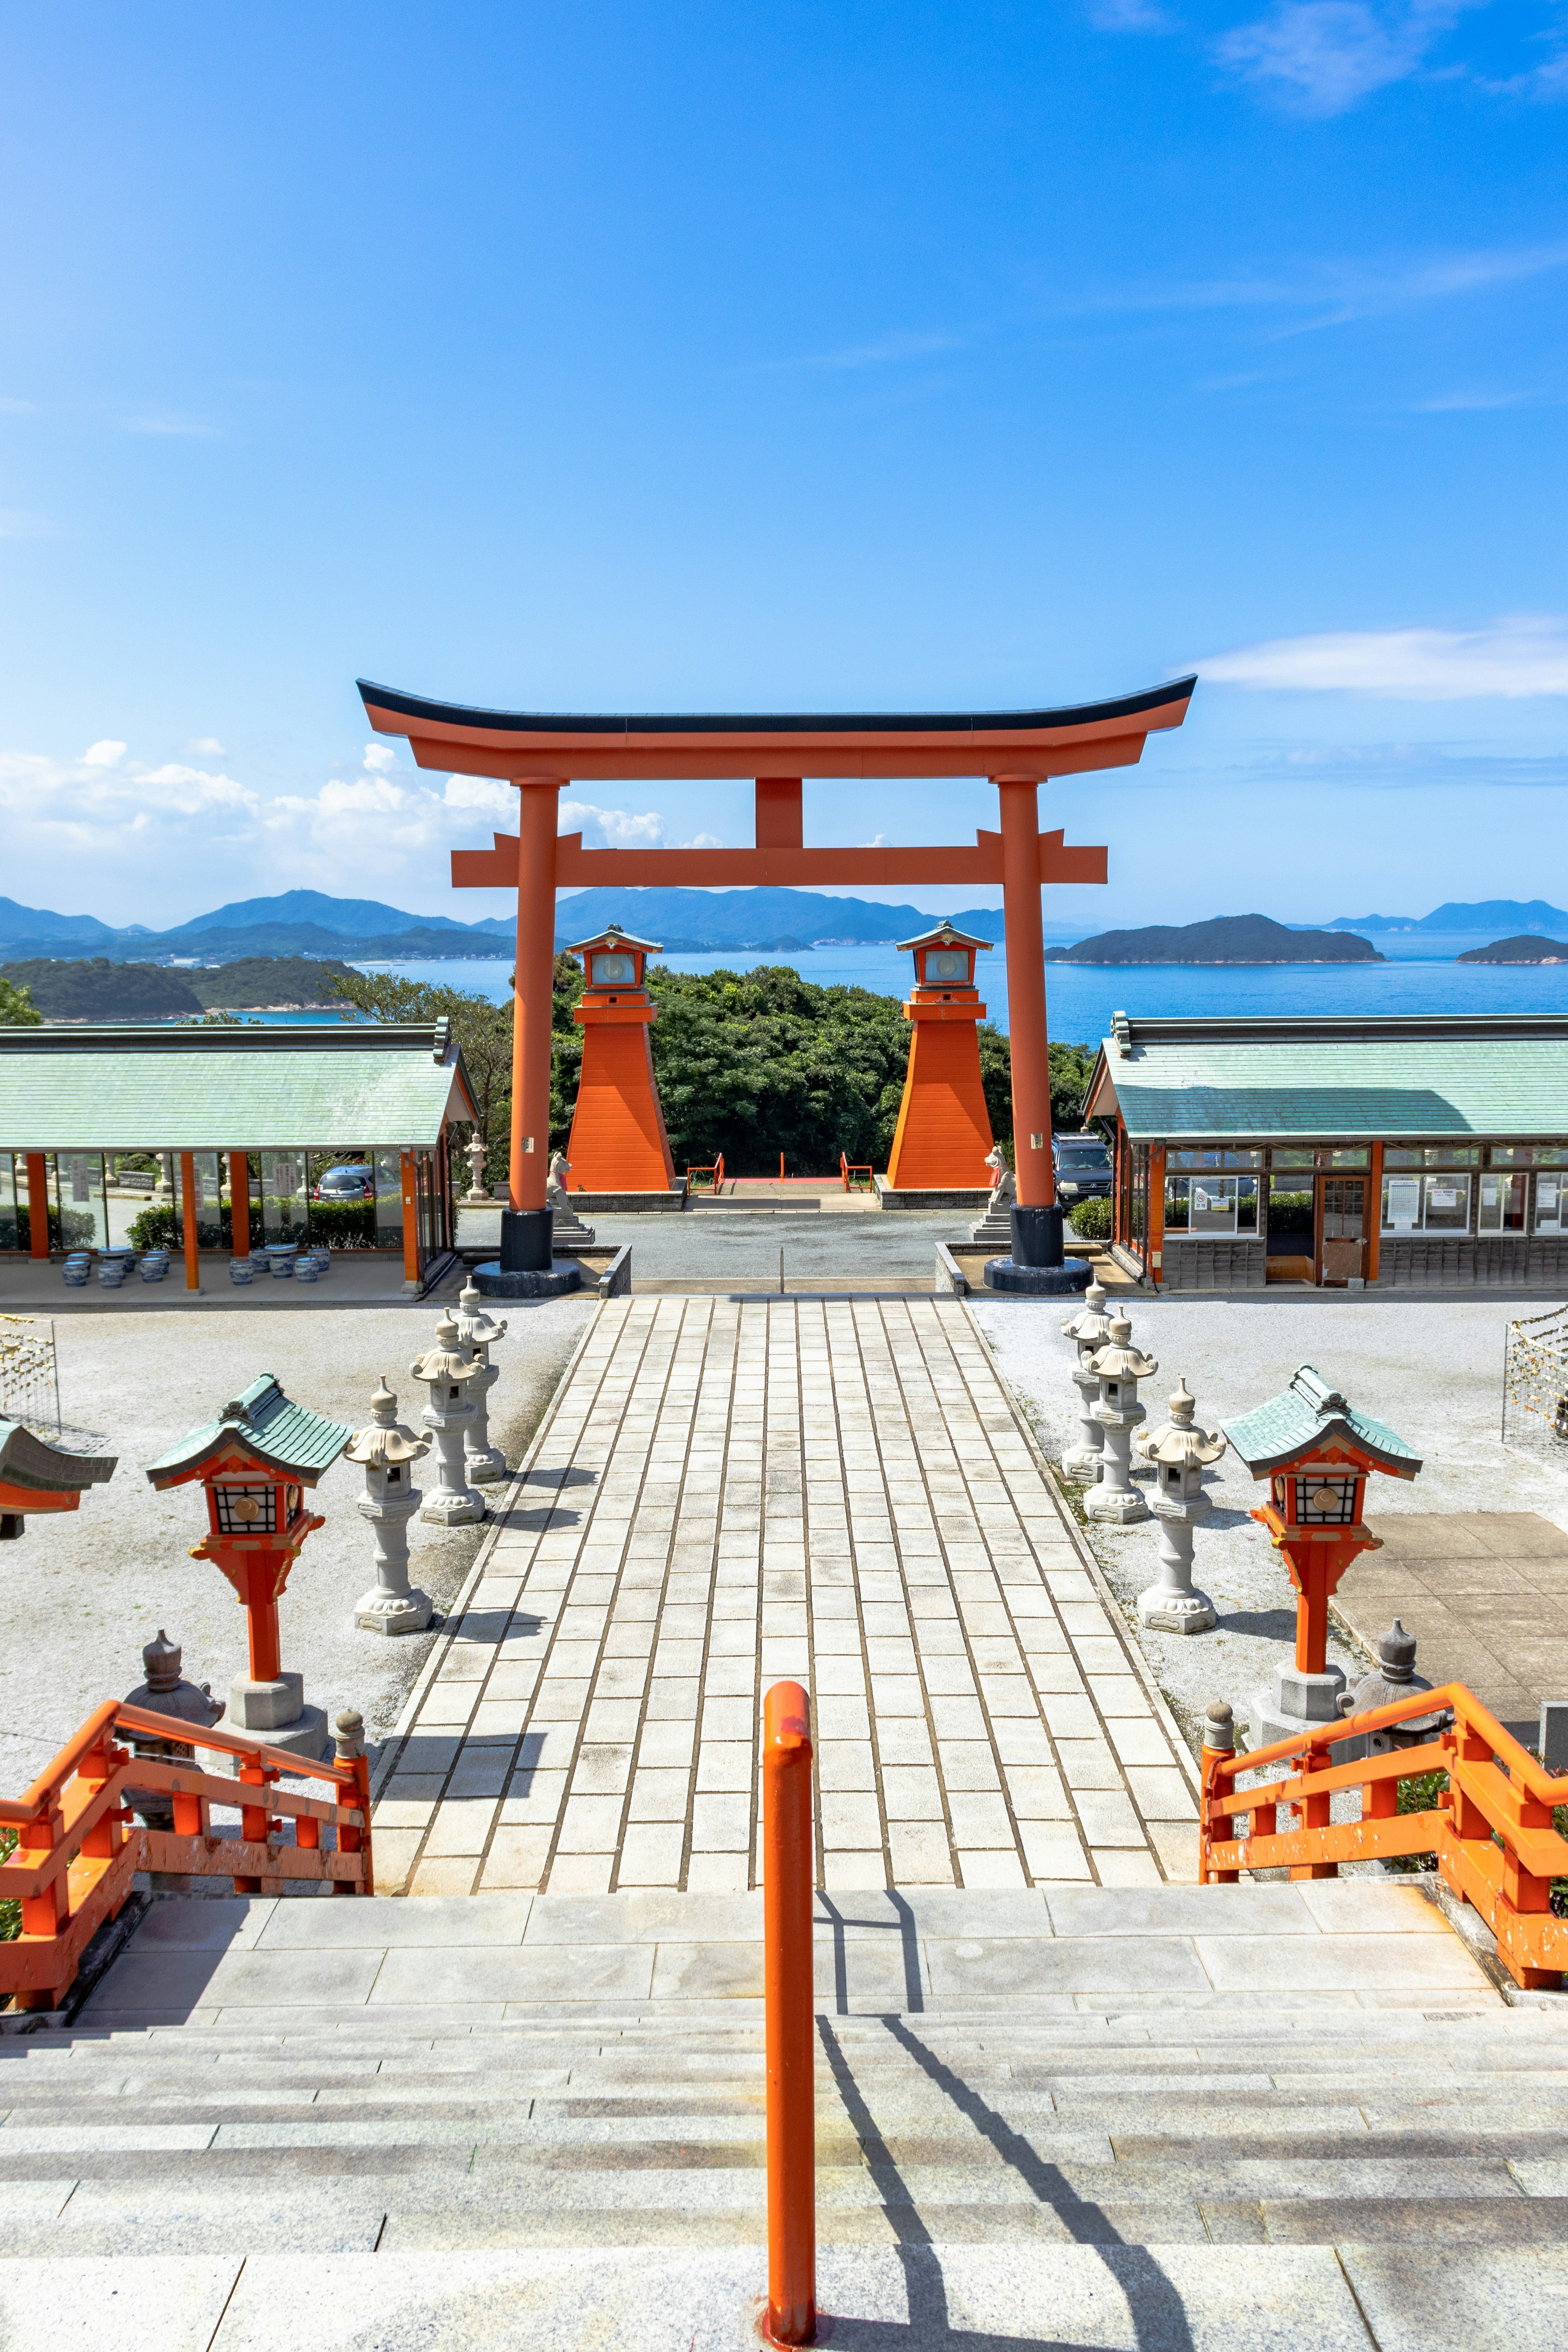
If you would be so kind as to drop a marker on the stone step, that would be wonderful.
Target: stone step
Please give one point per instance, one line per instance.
(1237, 2297)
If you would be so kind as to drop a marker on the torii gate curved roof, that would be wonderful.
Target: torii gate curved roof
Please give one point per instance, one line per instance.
(1022, 743)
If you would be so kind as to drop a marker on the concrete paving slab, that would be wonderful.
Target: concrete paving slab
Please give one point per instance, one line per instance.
(1340, 1963)
(110, 2304)
(385, 1923)
(1492, 2301)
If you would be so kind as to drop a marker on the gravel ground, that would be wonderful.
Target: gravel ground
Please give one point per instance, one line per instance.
(1431, 1369)
(81, 1593)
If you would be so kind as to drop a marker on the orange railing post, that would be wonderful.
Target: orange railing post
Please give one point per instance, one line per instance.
(787, 1880)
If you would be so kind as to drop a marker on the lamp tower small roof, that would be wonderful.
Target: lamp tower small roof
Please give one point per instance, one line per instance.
(1307, 1416)
(260, 1426)
(943, 936)
(613, 937)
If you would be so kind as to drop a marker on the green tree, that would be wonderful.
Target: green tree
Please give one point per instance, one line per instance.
(483, 1032)
(18, 1010)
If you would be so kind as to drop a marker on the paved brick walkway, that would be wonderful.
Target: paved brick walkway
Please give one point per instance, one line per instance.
(727, 1493)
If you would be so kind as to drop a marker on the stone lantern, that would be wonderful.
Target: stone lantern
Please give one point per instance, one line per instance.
(1392, 1678)
(1090, 1330)
(446, 1370)
(1179, 1451)
(165, 1691)
(1118, 1366)
(255, 1461)
(479, 1331)
(387, 1452)
(1317, 1452)
(476, 1156)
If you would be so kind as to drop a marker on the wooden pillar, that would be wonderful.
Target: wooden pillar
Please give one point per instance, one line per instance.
(1156, 1262)
(188, 1218)
(239, 1202)
(38, 1204)
(534, 978)
(1373, 1213)
(1026, 990)
(411, 1266)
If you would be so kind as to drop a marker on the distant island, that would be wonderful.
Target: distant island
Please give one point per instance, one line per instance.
(1480, 917)
(94, 989)
(1525, 949)
(1227, 938)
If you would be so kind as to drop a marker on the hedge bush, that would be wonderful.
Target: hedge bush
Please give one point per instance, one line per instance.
(1093, 1220)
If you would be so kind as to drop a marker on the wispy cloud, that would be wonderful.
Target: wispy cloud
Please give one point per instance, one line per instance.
(207, 747)
(1444, 404)
(1334, 293)
(617, 828)
(1324, 56)
(1514, 657)
(194, 428)
(884, 350)
(1130, 16)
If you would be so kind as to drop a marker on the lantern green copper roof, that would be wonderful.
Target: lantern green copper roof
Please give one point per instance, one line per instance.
(26, 1461)
(1334, 1078)
(1309, 1414)
(272, 1430)
(279, 1088)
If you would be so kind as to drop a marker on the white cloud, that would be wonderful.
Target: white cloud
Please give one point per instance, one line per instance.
(378, 756)
(107, 754)
(885, 351)
(207, 747)
(1513, 658)
(1322, 56)
(617, 828)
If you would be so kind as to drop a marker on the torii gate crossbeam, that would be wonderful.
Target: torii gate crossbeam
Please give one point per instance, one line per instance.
(543, 754)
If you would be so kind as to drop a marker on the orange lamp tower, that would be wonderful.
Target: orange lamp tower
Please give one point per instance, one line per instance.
(944, 1129)
(617, 1143)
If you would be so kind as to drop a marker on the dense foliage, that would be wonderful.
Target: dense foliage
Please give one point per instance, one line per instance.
(18, 1010)
(1092, 1219)
(748, 1064)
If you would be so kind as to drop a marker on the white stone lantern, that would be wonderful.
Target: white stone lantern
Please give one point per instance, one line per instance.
(1090, 1330)
(446, 1370)
(1179, 1451)
(477, 1157)
(388, 1451)
(1118, 1366)
(480, 1331)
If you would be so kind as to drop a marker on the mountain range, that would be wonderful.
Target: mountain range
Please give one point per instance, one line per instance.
(313, 923)
(1227, 938)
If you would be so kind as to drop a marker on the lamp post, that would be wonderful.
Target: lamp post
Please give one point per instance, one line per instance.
(387, 1452)
(446, 1369)
(1317, 1452)
(1179, 1451)
(1118, 1366)
(254, 1463)
(1090, 1330)
(479, 1331)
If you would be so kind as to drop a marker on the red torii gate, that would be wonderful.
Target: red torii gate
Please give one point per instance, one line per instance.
(543, 754)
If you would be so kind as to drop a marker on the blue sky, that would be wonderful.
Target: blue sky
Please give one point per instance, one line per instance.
(726, 355)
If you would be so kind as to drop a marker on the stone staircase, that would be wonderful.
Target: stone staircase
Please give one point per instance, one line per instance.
(1243, 2117)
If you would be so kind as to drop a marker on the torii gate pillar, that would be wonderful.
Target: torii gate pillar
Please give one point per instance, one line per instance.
(526, 1224)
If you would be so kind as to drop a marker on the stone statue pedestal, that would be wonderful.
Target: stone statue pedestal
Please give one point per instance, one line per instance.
(275, 1712)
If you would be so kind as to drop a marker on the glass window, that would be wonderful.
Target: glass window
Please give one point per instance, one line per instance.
(79, 1196)
(1279, 1157)
(1549, 1155)
(207, 1169)
(282, 1197)
(1213, 1159)
(1430, 1204)
(1356, 1159)
(1502, 1209)
(1509, 1155)
(1211, 1204)
(1433, 1155)
(389, 1199)
(1551, 1199)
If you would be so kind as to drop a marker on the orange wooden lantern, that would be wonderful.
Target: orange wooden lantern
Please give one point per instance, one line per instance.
(618, 1142)
(944, 1129)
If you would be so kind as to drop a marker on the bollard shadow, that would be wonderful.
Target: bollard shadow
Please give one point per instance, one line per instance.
(903, 1927)
(534, 1518)
(1269, 1625)
(571, 1477)
(1155, 2306)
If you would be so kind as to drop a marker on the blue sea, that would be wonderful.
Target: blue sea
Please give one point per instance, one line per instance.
(1080, 998)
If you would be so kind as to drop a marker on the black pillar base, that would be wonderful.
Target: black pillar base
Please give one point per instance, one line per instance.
(525, 1237)
(1074, 1274)
(1037, 1235)
(498, 1281)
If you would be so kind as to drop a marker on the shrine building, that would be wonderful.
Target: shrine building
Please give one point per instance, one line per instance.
(1401, 1152)
(286, 1101)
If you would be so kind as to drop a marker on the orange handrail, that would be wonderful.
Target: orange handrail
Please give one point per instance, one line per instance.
(714, 1168)
(787, 1881)
(75, 1857)
(1491, 1828)
(847, 1168)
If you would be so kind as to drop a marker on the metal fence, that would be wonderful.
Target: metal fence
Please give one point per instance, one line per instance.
(29, 1372)
(1535, 1385)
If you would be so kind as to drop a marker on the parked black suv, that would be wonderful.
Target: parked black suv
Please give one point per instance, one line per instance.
(1082, 1167)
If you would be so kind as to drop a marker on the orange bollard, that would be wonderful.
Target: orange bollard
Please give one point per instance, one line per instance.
(787, 1877)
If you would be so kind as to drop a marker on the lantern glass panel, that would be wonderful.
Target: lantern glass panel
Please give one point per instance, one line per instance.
(947, 965)
(245, 1510)
(1326, 1498)
(613, 970)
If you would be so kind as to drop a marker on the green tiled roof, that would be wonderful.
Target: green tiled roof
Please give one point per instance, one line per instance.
(26, 1461)
(65, 1088)
(1208, 1080)
(282, 1434)
(1307, 1414)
